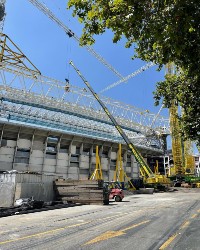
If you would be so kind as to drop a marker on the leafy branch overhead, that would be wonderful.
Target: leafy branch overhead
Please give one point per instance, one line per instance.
(161, 31)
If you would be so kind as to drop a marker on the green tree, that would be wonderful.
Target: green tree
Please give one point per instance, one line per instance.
(161, 31)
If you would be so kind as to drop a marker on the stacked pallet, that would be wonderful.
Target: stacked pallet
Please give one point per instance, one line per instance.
(81, 191)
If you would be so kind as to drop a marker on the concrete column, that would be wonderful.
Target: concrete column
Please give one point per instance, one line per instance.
(125, 160)
(81, 149)
(45, 149)
(100, 157)
(100, 151)
(31, 149)
(16, 148)
(2, 134)
(70, 153)
(58, 148)
(81, 152)
(135, 172)
(109, 161)
(90, 160)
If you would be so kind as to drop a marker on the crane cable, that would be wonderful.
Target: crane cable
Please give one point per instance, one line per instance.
(70, 33)
(69, 50)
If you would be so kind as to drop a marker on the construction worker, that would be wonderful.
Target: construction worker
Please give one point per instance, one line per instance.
(67, 87)
(70, 33)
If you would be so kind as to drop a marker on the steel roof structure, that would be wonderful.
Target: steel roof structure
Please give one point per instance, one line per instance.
(29, 98)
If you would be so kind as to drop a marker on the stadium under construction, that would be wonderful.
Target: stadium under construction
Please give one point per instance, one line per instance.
(51, 127)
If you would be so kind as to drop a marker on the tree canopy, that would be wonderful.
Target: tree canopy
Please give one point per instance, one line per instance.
(161, 31)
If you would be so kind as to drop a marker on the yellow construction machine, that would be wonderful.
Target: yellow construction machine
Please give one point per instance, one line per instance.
(148, 176)
(183, 161)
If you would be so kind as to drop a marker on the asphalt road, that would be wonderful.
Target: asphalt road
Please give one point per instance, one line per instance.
(158, 221)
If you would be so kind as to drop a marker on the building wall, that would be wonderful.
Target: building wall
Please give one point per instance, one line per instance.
(14, 186)
(197, 165)
(7, 190)
(32, 150)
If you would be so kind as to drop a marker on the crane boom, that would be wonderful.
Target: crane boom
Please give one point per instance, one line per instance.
(70, 33)
(135, 73)
(151, 177)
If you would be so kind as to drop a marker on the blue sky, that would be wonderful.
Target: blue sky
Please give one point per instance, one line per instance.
(50, 49)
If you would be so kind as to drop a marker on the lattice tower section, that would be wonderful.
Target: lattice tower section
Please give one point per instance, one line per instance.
(176, 141)
(189, 158)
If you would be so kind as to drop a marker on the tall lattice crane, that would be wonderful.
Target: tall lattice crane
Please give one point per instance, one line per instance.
(181, 151)
(178, 168)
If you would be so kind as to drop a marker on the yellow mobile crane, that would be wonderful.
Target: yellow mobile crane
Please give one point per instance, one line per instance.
(148, 176)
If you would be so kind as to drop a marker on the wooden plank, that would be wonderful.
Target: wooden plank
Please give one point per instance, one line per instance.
(79, 190)
(83, 191)
(86, 183)
(80, 193)
(79, 196)
(89, 203)
(82, 196)
(75, 199)
(77, 182)
(75, 185)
